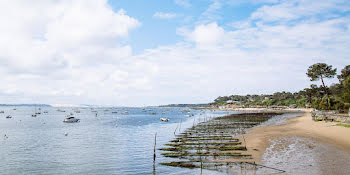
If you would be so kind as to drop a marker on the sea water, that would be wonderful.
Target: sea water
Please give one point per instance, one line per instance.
(105, 141)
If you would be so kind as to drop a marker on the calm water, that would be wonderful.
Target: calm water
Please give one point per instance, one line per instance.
(111, 143)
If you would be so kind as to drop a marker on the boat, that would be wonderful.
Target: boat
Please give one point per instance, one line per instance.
(33, 115)
(9, 116)
(2, 112)
(164, 119)
(71, 119)
(114, 112)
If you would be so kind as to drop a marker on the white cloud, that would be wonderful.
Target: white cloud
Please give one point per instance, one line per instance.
(183, 3)
(61, 47)
(209, 34)
(296, 9)
(71, 52)
(162, 15)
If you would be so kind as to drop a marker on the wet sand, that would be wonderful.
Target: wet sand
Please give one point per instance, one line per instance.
(300, 155)
(259, 139)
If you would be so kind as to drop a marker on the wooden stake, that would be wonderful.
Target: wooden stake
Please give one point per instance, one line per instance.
(154, 150)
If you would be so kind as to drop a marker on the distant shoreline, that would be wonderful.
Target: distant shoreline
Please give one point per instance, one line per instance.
(44, 105)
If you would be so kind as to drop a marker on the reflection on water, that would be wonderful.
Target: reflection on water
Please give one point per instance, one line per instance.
(113, 142)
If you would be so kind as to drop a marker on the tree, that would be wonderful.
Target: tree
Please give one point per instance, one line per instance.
(344, 74)
(347, 83)
(319, 71)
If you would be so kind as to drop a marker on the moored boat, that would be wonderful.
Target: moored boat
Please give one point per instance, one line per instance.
(164, 119)
(71, 119)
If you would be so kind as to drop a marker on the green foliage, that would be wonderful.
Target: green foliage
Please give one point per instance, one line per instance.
(344, 125)
(335, 97)
(344, 74)
(347, 84)
(320, 70)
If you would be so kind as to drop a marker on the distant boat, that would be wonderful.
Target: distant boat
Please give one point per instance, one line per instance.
(2, 112)
(125, 113)
(71, 119)
(36, 113)
(9, 116)
(164, 119)
(114, 112)
(46, 112)
(77, 111)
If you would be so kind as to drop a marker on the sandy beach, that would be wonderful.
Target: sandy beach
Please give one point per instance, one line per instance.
(257, 139)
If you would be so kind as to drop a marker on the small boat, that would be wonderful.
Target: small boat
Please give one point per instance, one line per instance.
(2, 112)
(164, 119)
(125, 113)
(77, 111)
(71, 119)
(33, 115)
(9, 116)
(46, 112)
(114, 112)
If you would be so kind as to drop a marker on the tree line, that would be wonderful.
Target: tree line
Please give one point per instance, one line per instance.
(334, 97)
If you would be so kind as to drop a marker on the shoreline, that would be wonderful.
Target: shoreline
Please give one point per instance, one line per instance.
(258, 139)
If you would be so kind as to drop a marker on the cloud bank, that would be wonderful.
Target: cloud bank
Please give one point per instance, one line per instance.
(77, 52)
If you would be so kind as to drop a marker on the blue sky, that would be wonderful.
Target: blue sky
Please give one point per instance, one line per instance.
(156, 32)
(135, 53)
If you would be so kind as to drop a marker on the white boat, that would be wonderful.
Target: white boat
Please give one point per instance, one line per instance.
(164, 119)
(71, 119)
(9, 116)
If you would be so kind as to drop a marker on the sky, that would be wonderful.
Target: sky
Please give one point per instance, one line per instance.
(147, 52)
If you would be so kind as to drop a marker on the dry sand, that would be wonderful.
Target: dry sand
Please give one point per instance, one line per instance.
(258, 139)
